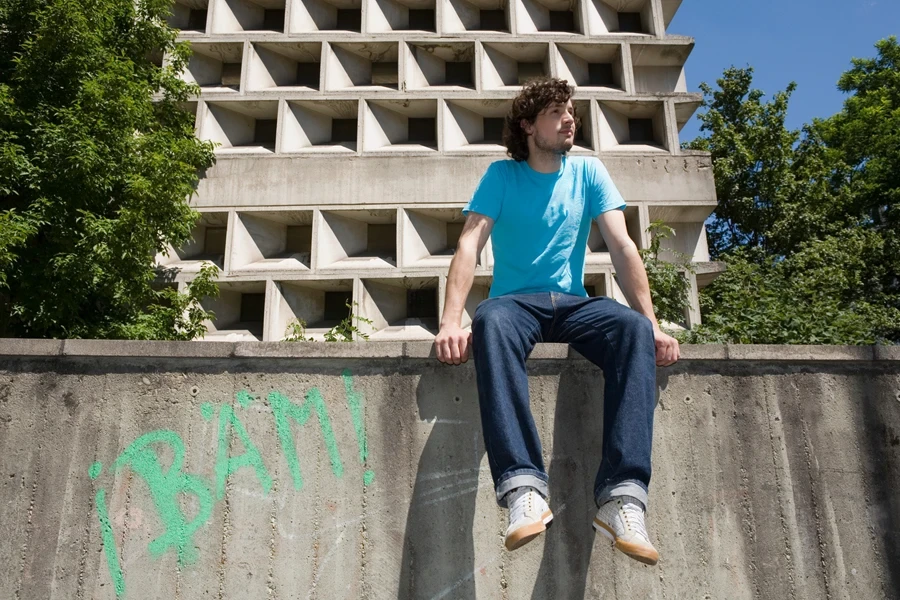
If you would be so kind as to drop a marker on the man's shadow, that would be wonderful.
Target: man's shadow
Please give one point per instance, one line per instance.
(438, 548)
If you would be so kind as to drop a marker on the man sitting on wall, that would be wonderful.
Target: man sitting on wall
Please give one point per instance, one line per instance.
(538, 209)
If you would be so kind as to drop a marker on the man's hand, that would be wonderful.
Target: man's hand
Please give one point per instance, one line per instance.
(452, 344)
(666, 348)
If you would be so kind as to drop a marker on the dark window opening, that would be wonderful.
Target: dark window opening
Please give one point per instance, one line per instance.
(421, 304)
(421, 19)
(197, 20)
(349, 19)
(214, 241)
(530, 70)
(343, 130)
(423, 131)
(493, 20)
(562, 20)
(264, 133)
(382, 239)
(493, 130)
(231, 74)
(308, 74)
(630, 22)
(454, 230)
(385, 73)
(252, 308)
(336, 305)
(298, 239)
(600, 74)
(459, 73)
(640, 131)
(273, 19)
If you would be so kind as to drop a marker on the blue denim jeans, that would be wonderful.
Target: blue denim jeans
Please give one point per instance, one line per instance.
(614, 337)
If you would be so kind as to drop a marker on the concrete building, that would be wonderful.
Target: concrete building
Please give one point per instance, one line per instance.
(352, 132)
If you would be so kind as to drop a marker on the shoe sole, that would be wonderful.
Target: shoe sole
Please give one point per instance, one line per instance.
(638, 553)
(523, 535)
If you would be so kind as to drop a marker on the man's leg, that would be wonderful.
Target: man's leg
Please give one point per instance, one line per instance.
(620, 341)
(505, 330)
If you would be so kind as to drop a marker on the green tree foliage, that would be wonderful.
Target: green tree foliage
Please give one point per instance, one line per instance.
(94, 170)
(808, 221)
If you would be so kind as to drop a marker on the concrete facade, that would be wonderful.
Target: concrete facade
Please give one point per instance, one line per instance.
(148, 470)
(352, 132)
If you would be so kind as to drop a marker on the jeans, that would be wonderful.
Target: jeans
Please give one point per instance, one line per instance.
(614, 337)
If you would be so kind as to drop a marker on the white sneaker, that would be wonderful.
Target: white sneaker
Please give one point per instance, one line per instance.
(622, 521)
(529, 516)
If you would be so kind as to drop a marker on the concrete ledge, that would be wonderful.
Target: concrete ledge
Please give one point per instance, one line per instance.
(415, 350)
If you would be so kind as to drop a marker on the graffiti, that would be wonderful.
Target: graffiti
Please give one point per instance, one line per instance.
(169, 486)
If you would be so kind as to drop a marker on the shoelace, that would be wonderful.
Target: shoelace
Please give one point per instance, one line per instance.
(520, 505)
(634, 520)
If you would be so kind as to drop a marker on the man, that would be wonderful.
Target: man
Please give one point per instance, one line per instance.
(538, 208)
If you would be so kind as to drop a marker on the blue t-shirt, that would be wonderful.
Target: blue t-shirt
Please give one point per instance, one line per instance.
(542, 222)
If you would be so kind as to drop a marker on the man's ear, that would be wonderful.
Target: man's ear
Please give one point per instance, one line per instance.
(527, 127)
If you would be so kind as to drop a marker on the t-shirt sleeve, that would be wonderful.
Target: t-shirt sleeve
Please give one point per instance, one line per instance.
(488, 197)
(604, 195)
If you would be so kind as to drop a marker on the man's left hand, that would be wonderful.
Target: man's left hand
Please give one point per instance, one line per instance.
(666, 348)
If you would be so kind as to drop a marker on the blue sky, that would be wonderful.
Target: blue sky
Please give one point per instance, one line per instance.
(807, 41)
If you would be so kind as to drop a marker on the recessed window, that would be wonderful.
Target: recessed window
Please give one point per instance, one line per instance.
(493, 20)
(273, 19)
(252, 308)
(336, 305)
(343, 130)
(600, 74)
(382, 238)
(421, 304)
(265, 131)
(630, 22)
(197, 20)
(423, 131)
(422, 19)
(493, 130)
(349, 19)
(562, 20)
(308, 74)
(530, 70)
(385, 73)
(231, 74)
(215, 240)
(640, 131)
(298, 238)
(459, 73)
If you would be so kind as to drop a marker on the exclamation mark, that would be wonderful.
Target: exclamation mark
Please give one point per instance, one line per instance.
(355, 400)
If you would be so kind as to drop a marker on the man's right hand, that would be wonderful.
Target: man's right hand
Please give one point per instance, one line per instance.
(452, 344)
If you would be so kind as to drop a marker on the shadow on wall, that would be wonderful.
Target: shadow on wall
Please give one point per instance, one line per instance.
(444, 525)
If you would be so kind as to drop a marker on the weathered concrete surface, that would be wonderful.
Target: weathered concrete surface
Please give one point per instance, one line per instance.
(777, 472)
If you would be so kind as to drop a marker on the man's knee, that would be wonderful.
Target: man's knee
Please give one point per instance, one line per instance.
(493, 316)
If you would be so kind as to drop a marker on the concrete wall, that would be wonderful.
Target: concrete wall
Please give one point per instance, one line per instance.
(245, 471)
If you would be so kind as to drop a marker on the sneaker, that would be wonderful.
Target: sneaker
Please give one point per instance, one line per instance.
(529, 516)
(622, 521)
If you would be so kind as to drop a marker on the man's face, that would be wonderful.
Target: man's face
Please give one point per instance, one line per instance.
(554, 128)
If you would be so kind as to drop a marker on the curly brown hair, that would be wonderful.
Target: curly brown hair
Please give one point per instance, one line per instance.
(537, 95)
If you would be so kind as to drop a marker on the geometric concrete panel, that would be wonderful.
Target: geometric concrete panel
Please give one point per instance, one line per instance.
(246, 126)
(386, 16)
(400, 126)
(592, 67)
(400, 307)
(475, 125)
(361, 66)
(237, 16)
(215, 67)
(620, 17)
(293, 66)
(311, 16)
(206, 245)
(272, 241)
(190, 16)
(239, 312)
(429, 236)
(659, 68)
(585, 141)
(321, 304)
(460, 16)
(355, 239)
(597, 253)
(320, 126)
(551, 16)
(632, 126)
(445, 66)
(509, 65)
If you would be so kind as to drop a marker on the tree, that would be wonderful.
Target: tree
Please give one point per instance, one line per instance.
(807, 220)
(95, 172)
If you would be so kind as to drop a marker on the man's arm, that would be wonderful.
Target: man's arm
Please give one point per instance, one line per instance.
(452, 342)
(632, 279)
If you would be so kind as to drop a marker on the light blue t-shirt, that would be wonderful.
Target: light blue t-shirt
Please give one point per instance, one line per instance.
(542, 222)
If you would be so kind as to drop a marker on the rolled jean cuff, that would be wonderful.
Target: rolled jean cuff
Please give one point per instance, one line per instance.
(628, 487)
(521, 478)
